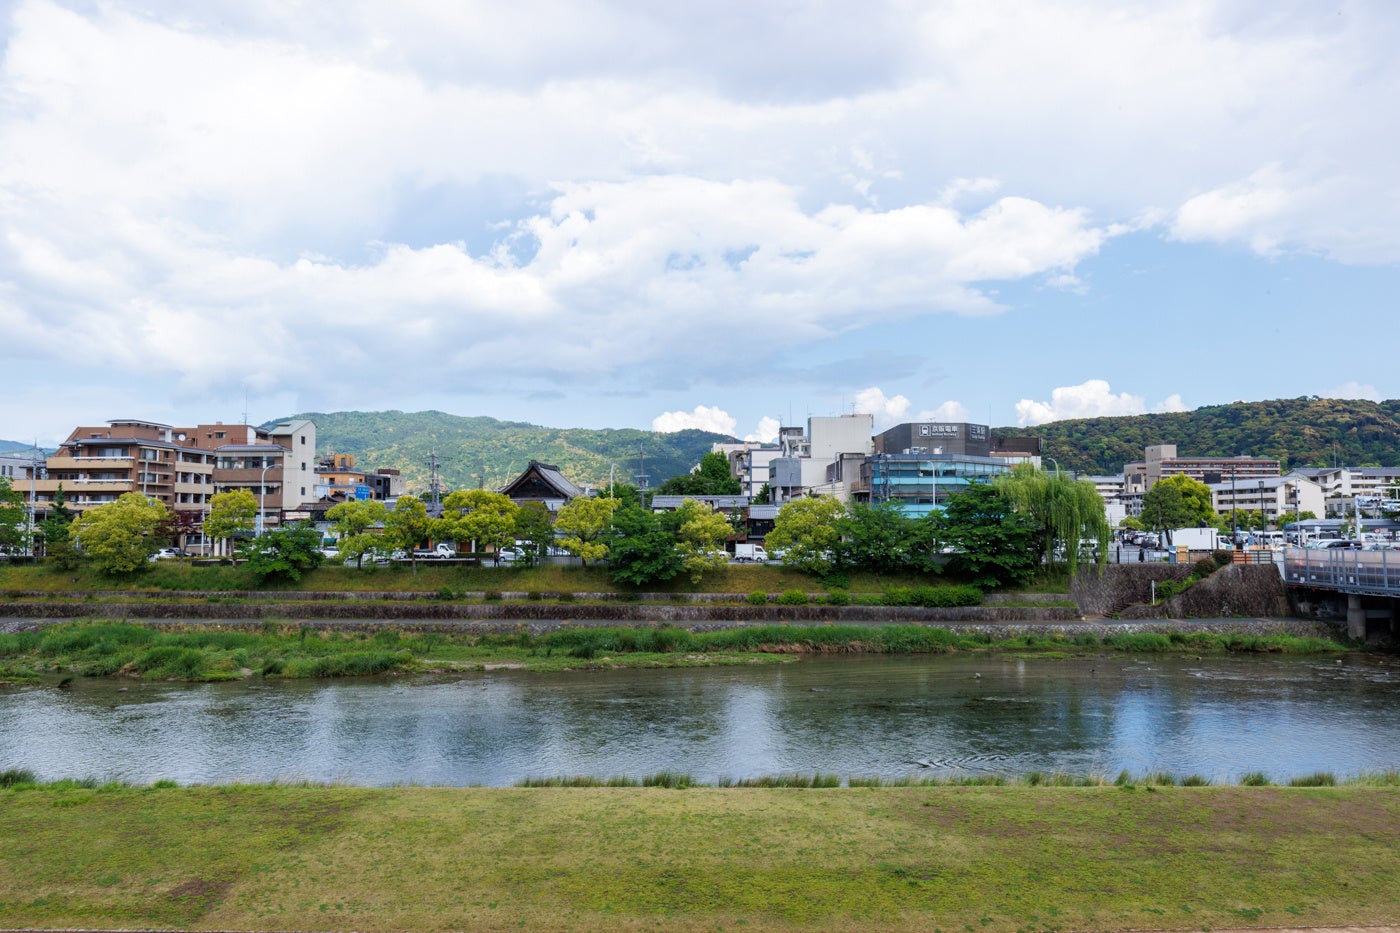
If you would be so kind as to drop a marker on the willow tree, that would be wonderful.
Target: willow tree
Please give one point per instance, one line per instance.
(1068, 514)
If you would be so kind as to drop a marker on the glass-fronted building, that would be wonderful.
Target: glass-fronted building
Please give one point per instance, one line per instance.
(919, 483)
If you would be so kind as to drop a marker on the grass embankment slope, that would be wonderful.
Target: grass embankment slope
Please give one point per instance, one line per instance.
(948, 858)
(213, 652)
(433, 576)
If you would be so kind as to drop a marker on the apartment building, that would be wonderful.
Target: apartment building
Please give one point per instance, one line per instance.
(1276, 496)
(1161, 461)
(1343, 486)
(181, 467)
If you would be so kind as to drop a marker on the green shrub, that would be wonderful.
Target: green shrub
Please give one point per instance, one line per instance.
(13, 776)
(793, 598)
(758, 598)
(566, 596)
(1222, 558)
(1254, 779)
(534, 596)
(838, 597)
(1195, 780)
(1203, 568)
(492, 596)
(1316, 779)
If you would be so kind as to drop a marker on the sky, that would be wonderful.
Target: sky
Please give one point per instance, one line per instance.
(731, 215)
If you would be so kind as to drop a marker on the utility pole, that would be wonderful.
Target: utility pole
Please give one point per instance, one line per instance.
(434, 487)
(642, 477)
(35, 465)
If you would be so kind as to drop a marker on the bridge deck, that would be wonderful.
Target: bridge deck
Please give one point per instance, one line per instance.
(1368, 573)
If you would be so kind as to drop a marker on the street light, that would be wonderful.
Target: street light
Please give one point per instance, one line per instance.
(1054, 461)
(262, 494)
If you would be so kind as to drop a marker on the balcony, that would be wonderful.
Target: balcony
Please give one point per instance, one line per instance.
(89, 463)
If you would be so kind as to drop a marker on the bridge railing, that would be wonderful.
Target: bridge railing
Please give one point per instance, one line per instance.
(1374, 572)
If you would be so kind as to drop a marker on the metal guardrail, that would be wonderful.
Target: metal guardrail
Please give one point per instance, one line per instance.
(1369, 573)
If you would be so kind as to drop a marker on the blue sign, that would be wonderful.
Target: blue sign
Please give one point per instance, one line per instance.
(362, 491)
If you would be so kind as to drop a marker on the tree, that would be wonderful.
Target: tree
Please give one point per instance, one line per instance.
(54, 534)
(877, 538)
(583, 526)
(711, 478)
(179, 525)
(1177, 502)
(625, 492)
(806, 532)
(283, 554)
(353, 520)
(700, 536)
(1067, 513)
(641, 551)
(478, 515)
(14, 520)
(407, 524)
(231, 515)
(120, 537)
(986, 539)
(534, 532)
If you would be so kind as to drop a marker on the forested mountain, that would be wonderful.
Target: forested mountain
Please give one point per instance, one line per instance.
(16, 448)
(488, 452)
(1300, 432)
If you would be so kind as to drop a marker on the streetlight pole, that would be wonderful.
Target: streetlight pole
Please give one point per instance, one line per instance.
(262, 495)
(1054, 461)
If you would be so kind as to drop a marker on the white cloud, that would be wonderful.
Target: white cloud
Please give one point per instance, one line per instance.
(1355, 390)
(1090, 399)
(892, 410)
(766, 432)
(703, 418)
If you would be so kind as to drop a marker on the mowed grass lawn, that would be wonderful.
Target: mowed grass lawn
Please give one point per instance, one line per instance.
(941, 858)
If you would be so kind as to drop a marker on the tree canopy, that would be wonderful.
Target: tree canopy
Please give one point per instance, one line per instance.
(231, 514)
(1068, 514)
(121, 536)
(806, 532)
(14, 527)
(407, 524)
(1177, 502)
(701, 533)
(712, 478)
(984, 538)
(641, 552)
(353, 520)
(582, 527)
(478, 515)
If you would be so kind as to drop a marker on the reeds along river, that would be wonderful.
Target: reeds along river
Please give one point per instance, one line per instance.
(888, 717)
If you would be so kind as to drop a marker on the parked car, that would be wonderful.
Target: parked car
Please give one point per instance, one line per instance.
(166, 553)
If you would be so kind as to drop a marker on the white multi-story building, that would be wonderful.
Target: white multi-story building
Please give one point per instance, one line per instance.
(1342, 486)
(1276, 496)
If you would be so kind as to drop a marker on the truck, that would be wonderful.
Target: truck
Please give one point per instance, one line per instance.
(750, 552)
(1199, 539)
(441, 552)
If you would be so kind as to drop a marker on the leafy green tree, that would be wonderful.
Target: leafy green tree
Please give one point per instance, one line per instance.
(877, 538)
(1131, 523)
(713, 478)
(406, 525)
(120, 537)
(625, 492)
(700, 536)
(583, 526)
(232, 514)
(534, 532)
(478, 515)
(1177, 502)
(764, 495)
(14, 520)
(353, 520)
(641, 551)
(54, 533)
(284, 553)
(1067, 513)
(806, 531)
(986, 540)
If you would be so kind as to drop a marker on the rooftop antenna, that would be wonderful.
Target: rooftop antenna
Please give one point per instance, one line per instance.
(245, 404)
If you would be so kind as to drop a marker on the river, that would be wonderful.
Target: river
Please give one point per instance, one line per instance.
(919, 716)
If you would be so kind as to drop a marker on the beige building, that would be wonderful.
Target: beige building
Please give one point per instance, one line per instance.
(1275, 496)
(1161, 461)
(182, 467)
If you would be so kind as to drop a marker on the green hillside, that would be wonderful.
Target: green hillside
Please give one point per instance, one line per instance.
(497, 451)
(16, 448)
(1300, 432)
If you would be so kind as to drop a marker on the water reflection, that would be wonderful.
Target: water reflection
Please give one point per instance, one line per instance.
(876, 716)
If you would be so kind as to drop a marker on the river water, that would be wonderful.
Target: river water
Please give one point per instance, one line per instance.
(927, 715)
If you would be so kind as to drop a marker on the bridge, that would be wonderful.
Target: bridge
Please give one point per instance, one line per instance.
(1370, 581)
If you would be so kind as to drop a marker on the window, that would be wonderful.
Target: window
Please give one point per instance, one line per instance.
(303, 443)
(303, 466)
(303, 490)
(220, 434)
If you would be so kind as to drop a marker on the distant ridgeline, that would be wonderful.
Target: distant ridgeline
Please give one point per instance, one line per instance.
(1300, 432)
(484, 451)
(487, 452)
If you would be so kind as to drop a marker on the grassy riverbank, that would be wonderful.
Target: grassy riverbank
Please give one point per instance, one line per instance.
(432, 577)
(211, 652)
(882, 859)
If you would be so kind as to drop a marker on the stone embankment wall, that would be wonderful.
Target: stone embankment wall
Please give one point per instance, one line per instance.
(1125, 591)
(529, 611)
